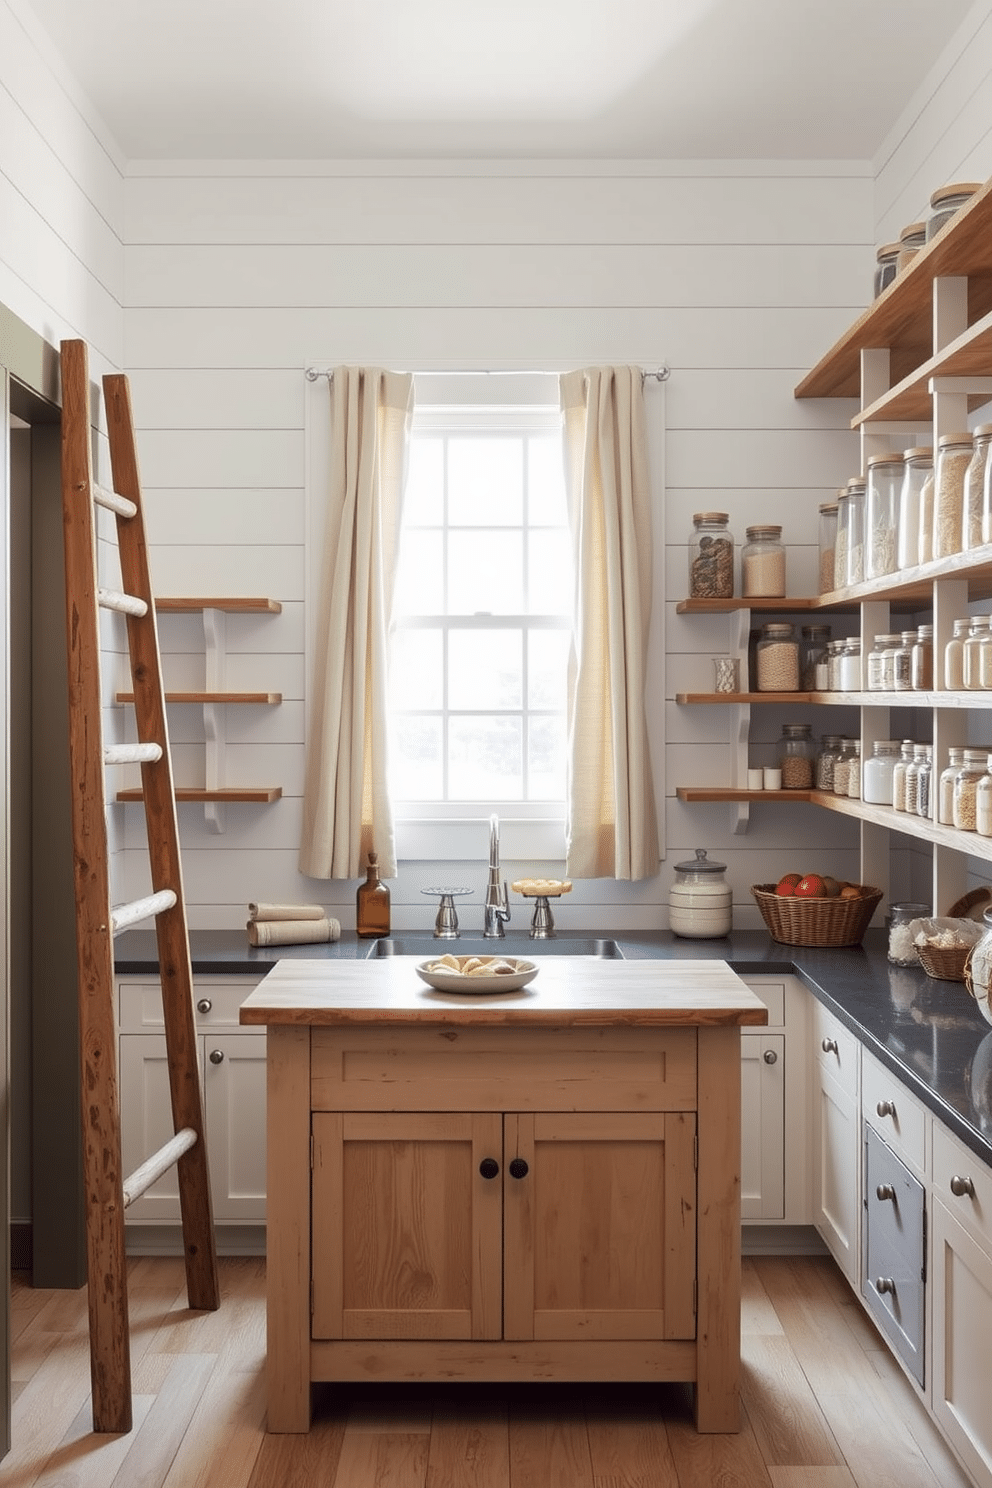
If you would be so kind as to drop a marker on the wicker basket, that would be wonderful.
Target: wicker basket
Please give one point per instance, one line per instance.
(944, 964)
(816, 922)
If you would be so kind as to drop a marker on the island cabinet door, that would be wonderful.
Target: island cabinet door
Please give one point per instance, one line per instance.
(407, 1225)
(600, 1226)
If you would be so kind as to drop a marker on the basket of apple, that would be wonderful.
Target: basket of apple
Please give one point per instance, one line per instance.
(813, 909)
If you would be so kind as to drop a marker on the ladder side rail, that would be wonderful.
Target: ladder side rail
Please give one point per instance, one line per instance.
(110, 1364)
(165, 863)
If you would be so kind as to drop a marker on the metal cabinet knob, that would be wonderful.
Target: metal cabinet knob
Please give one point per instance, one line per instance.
(204, 1005)
(216, 1056)
(886, 1108)
(519, 1168)
(962, 1188)
(489, 1167)
(885, 1284)
(829, 1046)
(885, 1191)
(770, 1057)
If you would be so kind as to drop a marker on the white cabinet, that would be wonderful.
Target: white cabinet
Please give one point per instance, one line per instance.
(232, 1076)
(774, 1145)
(836, 1140)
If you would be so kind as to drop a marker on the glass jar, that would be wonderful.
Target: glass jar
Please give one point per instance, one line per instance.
(777, 658)
(843, 538)
(954, 656)
(983, 801)
(855, 532)
(796, 753)
(834, 649)
(711, 557)
(978, 630)
(842, 767)
(879, 679)
(826, 759)
(902, 662)
(902, 951)
(911, 240)
(828, 545)
(985, 660)
(924, 781)
(974, 497)
(945, 786)
(854, 773)
(917, 464)
(893, 645)
(954, 452)
(921, 666)
(899, 775)
(700, 901)
(912, 780)
(945, 202)
(878, 772)
(885, 473)
(813, 658)
(849, 666)
(763, 564)
(925, 544)
(885, 266)
(965, 787)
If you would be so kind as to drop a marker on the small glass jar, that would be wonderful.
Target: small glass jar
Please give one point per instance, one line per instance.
(983, 801)
(985, 660)
(954, 452)
(849, 666)
(711, 557)
(700, 901)
(878, 669)
(974, 521)
(885, 473)
(834, 649)
(899, 775)
(945, 202)
(855, 532)
(763, 564)
(954, 656)
(911, 240)
(842, 767)
(978, 630)
(917, 465)
(796, 754)
(826, 759)
(945, 785)
(813, 658)
(902, 951)
(902, 662)
(893, 645)
(965, 787)
(828, 545)
(925, 543)
(912, 780)
(854, 773)
(777, 658)
(921, 666)
(885, 266)
(843, 538)
(878, 771)
(924, 781)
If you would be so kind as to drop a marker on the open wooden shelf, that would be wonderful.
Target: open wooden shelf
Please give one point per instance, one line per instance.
(728, 606)
(845, 699)
(729, 793)
(182, 604)
(262, 793)
(969, 355)
(268, 699)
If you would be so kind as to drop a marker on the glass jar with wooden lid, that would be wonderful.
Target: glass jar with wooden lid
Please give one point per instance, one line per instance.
(976, 498)
(954, 452)
(711, 557)
(911, 240)
(917, 465)
(885, 474)
(885, 266)
(945, 201)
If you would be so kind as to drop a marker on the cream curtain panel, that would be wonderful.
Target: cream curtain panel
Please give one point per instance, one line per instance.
(346, 809)
(612, 828)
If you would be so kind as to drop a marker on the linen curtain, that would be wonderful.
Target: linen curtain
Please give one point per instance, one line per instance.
(346, 808)
(612, 826)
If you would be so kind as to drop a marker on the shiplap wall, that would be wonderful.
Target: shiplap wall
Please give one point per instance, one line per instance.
(237, 276)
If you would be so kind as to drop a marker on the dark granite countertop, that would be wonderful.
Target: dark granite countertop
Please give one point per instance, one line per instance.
(930, 1034)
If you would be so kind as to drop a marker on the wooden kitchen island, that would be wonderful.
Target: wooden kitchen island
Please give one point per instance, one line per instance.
(540, 1185)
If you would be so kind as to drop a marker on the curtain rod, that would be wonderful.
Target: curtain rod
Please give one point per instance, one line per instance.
(659, 374)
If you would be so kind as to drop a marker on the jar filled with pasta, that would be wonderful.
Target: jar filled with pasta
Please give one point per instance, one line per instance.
(954, 452)
(884, 485)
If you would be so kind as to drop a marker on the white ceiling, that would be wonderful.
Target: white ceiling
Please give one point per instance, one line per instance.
(528, 78)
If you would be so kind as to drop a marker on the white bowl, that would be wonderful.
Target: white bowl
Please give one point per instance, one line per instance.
(444, 980)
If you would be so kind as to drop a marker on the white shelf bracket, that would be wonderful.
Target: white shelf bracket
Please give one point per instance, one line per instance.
(739, 724)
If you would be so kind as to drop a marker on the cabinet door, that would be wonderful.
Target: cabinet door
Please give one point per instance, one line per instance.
(234, 1116)
(146, 1121)
(835, 1172)
(407, 1226)
(762, 1126)
(894, 1247)
(962, 1326)
(600, 1226)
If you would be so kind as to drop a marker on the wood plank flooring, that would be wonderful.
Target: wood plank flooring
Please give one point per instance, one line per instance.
(824, 1406)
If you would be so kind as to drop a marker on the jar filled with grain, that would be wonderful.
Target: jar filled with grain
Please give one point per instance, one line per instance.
(711, 557)
(854, 773)
(924, 779)
(978, 634)
(849, 666)
(965, 788)
(924, 546)
(913, 778)
(796, 756)
(975, 499)
(885, 266)
(954, 656)
(911, 240)
(917, 464)
(884, 486)
(954, 452)
(983, 801)
(945, 785)
(877, 678)
(826, 759)
(921, 669)
(828, 545)
(763, 564)
(842, 767)
(855, 532)
(777, 658)
(879, 770)
(902, 662)
(834, 649)
(899, 775)
(813, 675)
(945, 201)
(842, 538)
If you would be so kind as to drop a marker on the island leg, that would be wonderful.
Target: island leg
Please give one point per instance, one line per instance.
(718, 1318)
(287, 1367)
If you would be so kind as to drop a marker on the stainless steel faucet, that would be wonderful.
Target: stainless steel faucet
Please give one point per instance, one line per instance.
(497, 909)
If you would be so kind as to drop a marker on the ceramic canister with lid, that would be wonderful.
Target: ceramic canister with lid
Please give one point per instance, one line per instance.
(700, 901)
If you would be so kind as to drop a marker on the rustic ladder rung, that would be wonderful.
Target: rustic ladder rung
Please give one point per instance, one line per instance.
(131, 754)
(151, 1170)
(142, 909)
(114, 502)
(124, 604)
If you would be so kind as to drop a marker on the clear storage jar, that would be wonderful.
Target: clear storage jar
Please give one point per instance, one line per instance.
(917, 464)
(700, 901)
(711, 557)
(813, 658)
(885, 266)
(854, 773)
(796, 754)
(849, 666)
(978, 631)
(828, 545)
(975, 498)
(911, 240)
(954, 656)
(777, 658)
(925, 543)
(879, 770)
(884, 486)
(842, 767)
(924, 782)
(842, 538)
(879, 675)
(855, 532)
(965, 789)
(902, 662)
(954, 452)
(945, 201)
(983, 801)
(899, 775)
(945, 785)
(902, 951)
(826, 759)
(834, 649)
(921, 667)
(763, 564)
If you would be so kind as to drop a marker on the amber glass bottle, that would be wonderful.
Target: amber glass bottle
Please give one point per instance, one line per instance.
(372, 918)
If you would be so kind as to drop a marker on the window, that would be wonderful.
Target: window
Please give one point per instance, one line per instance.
(482, 610)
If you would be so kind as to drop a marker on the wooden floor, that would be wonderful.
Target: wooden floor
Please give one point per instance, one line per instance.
(824, 1406)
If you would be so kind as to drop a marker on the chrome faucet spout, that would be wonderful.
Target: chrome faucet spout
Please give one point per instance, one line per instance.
(496, 910)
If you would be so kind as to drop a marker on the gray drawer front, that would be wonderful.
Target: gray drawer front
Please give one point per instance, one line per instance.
(894, 1251)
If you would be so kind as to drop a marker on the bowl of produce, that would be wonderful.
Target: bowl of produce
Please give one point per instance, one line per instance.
(813, 909)
(475, 974)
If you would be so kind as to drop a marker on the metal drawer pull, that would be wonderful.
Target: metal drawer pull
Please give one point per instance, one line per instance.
(489, 1167)
(216, 1056)
(770, 1057)
(885, 1191)
(885, 1284)
(204, 1005)
(962, 1188)
(519, 1168)
(829, 1046)
(886, 1108)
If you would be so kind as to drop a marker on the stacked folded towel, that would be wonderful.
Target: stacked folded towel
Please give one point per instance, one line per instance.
(290, 924)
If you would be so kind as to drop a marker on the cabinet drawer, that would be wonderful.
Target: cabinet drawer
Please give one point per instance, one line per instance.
(894, 1260)
(772, 995)
(836, 1049)
(140, 1004)
(507, 1069)
(955, 1163)
(896, 1115)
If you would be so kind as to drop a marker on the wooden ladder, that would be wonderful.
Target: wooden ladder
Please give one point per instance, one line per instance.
(107, 1191)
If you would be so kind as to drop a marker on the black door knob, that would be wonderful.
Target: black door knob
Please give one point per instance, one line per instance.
(518, 1168)
(489, 1167)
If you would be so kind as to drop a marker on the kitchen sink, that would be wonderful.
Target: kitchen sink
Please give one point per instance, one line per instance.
(474, 945)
